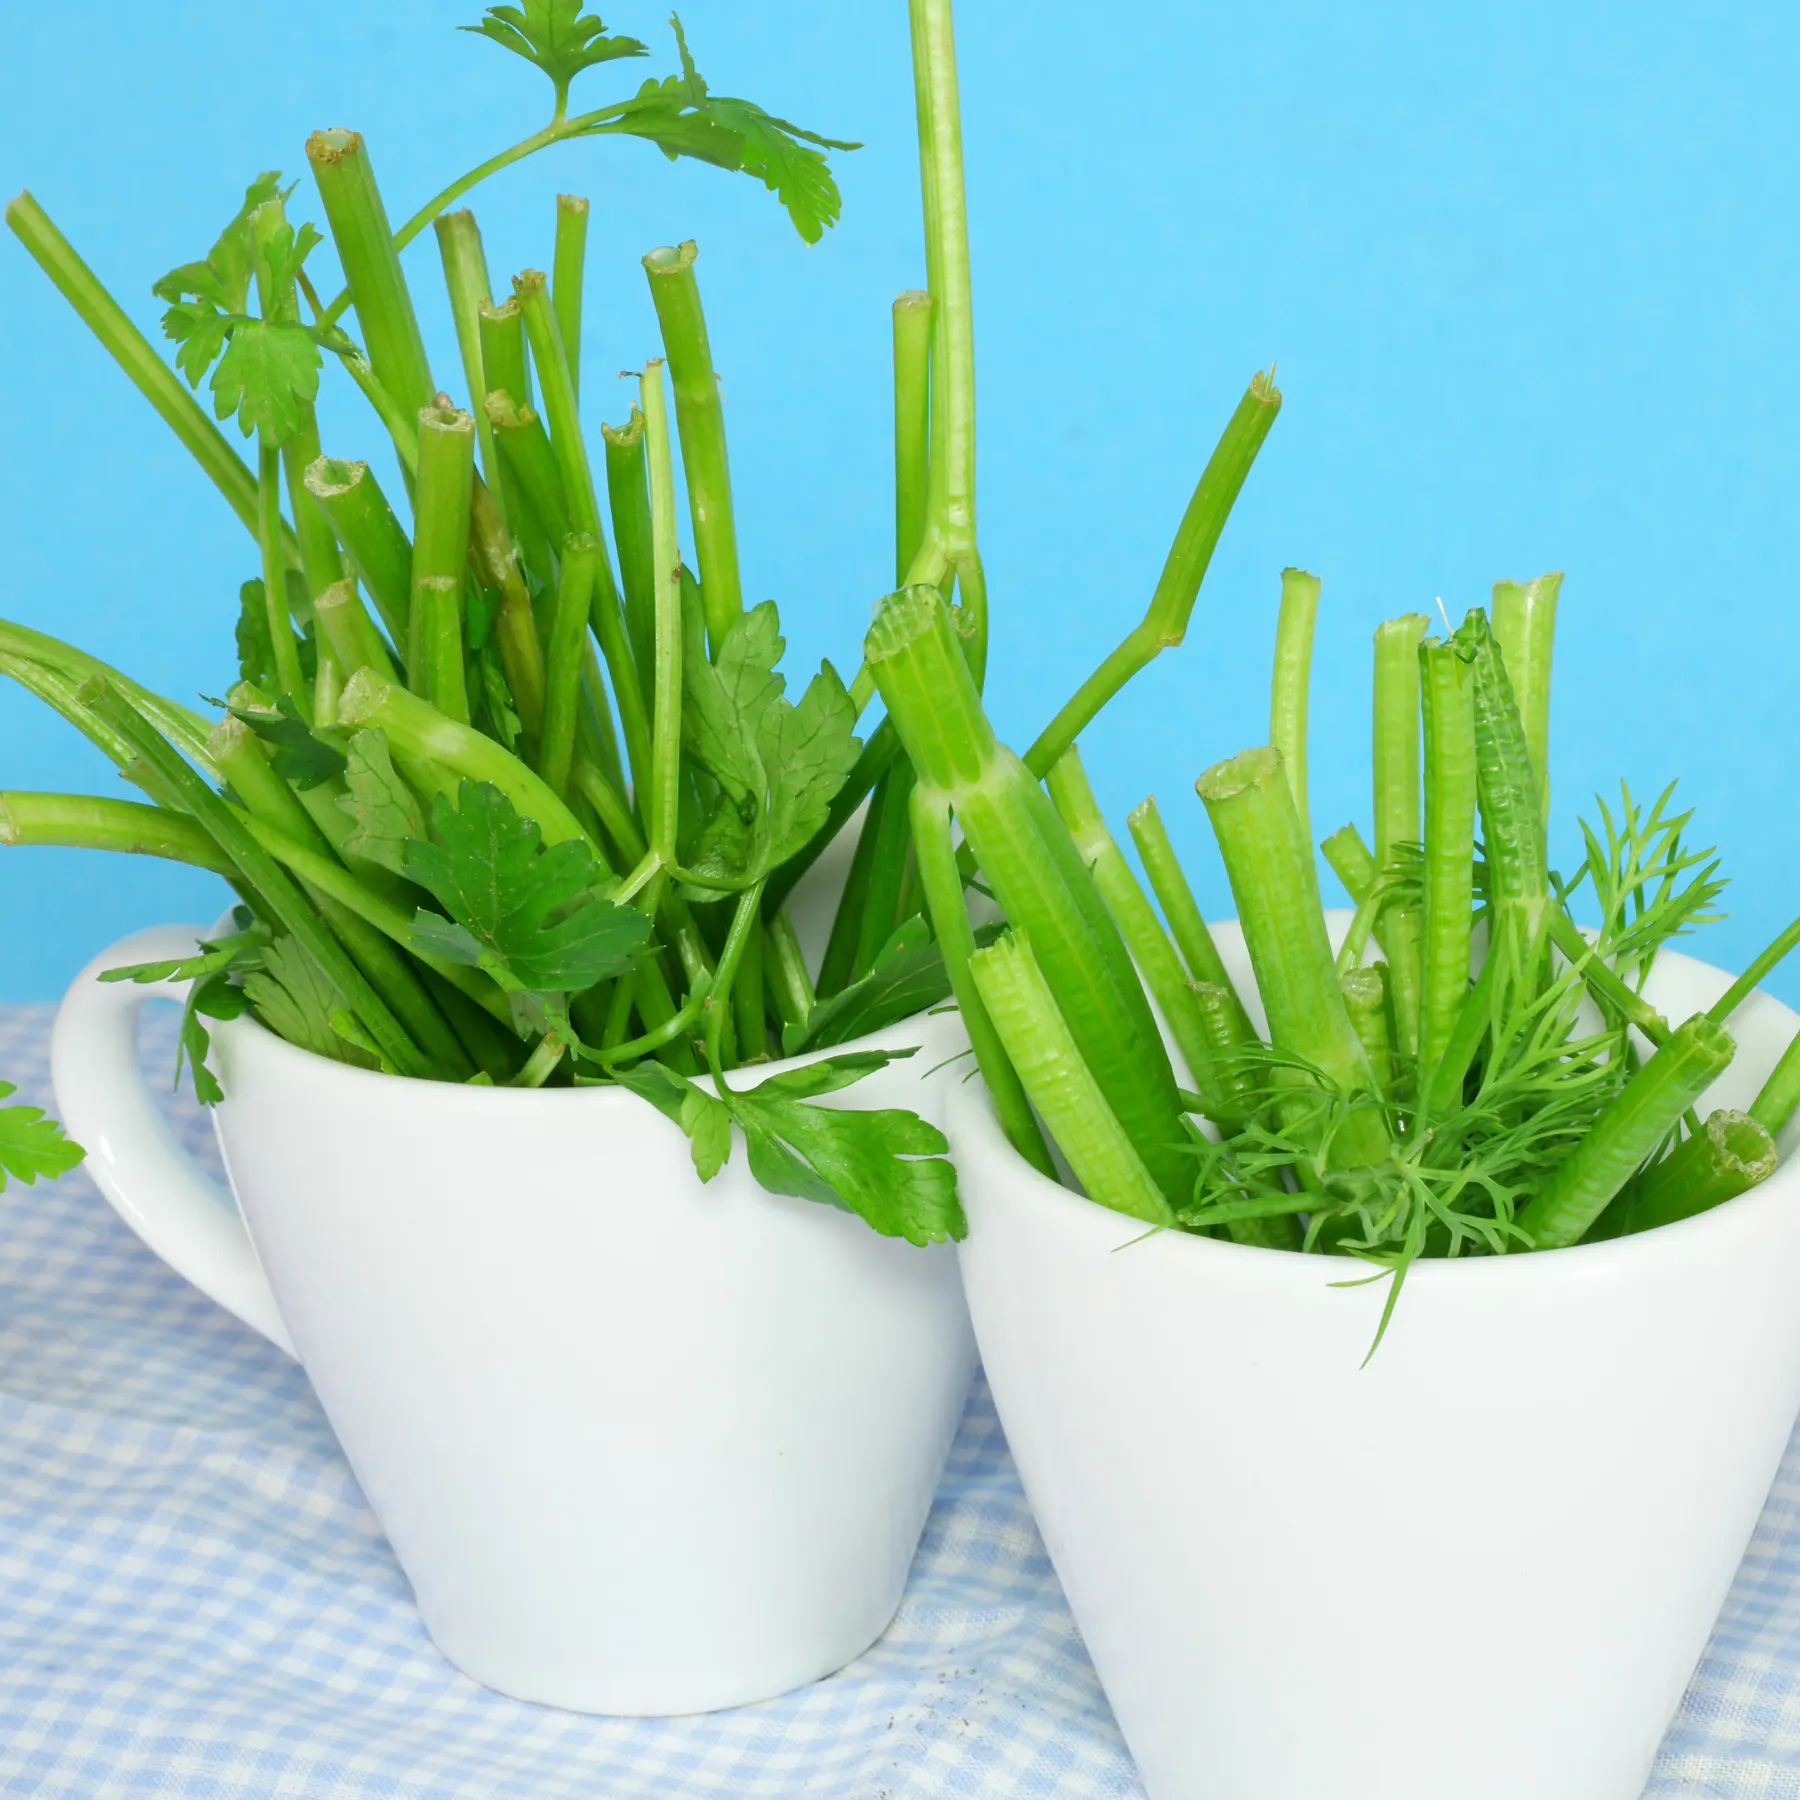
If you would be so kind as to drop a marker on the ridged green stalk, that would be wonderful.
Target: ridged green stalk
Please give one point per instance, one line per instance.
(568, 633)
(628, 496)
(1292, 678)
(440, 556)
(566, 273)
(912, 424)
(466, 282)
(351, 632)
(1525, 625)
(1366, 998)
(503, 364)
(1186, 923)
(84, 822)
(1727, 1157)
(1037, 875)
(1060, 1083)
(1626, 1134)
(1448, 693)
(1397, 810)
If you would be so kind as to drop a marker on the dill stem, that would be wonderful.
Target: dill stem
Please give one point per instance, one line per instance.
(1187, 925)
(1366, 998)
(353, 504)
(1145, 938)
(567, 269)
(562, 683)
(1775, 1103)
(912, 428)
(1447, 692)
(1728, 1157)
(1288, 687)
(1609, 989)
(1754, 975)
(1627, 1132)
(1524, 618)
(1060, 1084)
(1165, 620)
(87, 822)
(1397, 818)
(1275, 884)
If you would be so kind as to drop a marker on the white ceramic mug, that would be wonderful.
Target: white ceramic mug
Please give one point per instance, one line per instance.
(1481, 1568)
(640, 1445)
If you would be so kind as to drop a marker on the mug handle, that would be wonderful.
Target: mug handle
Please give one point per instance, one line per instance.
(156, 1187)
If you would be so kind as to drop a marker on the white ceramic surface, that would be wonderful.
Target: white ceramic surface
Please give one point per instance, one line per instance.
(1482, 1567)
(641, 1446)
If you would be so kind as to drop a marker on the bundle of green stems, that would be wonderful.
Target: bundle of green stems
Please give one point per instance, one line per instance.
(1460, 1069)
(509, 788)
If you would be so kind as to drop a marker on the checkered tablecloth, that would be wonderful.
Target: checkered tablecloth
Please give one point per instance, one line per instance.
(195, 1600)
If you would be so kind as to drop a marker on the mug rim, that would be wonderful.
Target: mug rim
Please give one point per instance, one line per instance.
(973, 1126)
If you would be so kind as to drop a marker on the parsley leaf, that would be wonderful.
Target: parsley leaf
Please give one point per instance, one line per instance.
(298, 1001)
(889, 1167)
(386, 813)
(268, 376)
(303, 756)
(32, 1144)
(778, 765)
(683, 117)
(205, 296)
(557, 36)
(908, 975)
(527, 915)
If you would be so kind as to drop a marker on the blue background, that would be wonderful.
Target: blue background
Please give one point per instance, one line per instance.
(1529, 271)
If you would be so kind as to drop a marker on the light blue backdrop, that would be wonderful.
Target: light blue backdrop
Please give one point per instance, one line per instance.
(1529, 270)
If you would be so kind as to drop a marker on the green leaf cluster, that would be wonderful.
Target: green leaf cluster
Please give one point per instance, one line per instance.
(32, 1145)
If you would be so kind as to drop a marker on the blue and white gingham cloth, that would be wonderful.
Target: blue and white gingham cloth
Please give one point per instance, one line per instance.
(196, 1602)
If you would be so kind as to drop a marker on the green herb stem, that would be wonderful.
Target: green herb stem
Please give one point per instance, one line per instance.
(1727, 1158)
(628, 496)
(85, 822)
(1775, 1103)
(1447, 693)
(745, 927)
(1165, 621)
(1060, 1084)
(441, 503)
(566, 277)
(784, 969)
(1525, 625)
(1608, 988)
(1291, 680)
(438, 754)
(664, 763)
(1366, 999)
(435, 659)
(274, 576)
(1627, 1133)
(466, 282)
(1187, 925)
(1397, 810)
(700, 418)
(503, 364)
(133, 352)
(530, 463)
(351, 632)
(568, 635)
(1756, 973)
(912, 425)
(352, 501)
(371, 262)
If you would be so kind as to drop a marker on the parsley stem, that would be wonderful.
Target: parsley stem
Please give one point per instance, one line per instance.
(665, 757)
(1037, 875)
(439, 753)
(1165, 620)
(942, 883)
(873, 761)
(531, 468)
(912, 424)
(515, 627)
(243, 766)
(320, 562)
(351, 632)
(83, 821)
(1524, 619)
(540, 1065)
(567, 269)
(745, 926)
(1448, 702)
(274, 576)
(1728, 1157)
(885, 897)
(289, 905)
(1061, 1085)
(352, 501)
(436, 658)
(1288, 688)
(371, 262)
(1627, 1132)
(442, 493)
(628, 500)
(1275, 884)
(1397, 818)
(568, 634)
(785, 971)
(466, 282)
(700, 419)
(503, 364)
(132, 351)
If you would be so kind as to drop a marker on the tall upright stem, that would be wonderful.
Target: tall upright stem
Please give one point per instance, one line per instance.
(466, 281)
(566, 275)
(665, 755)
(912, 424)
(1292, 678)
(274, 575)
(1448, 689)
